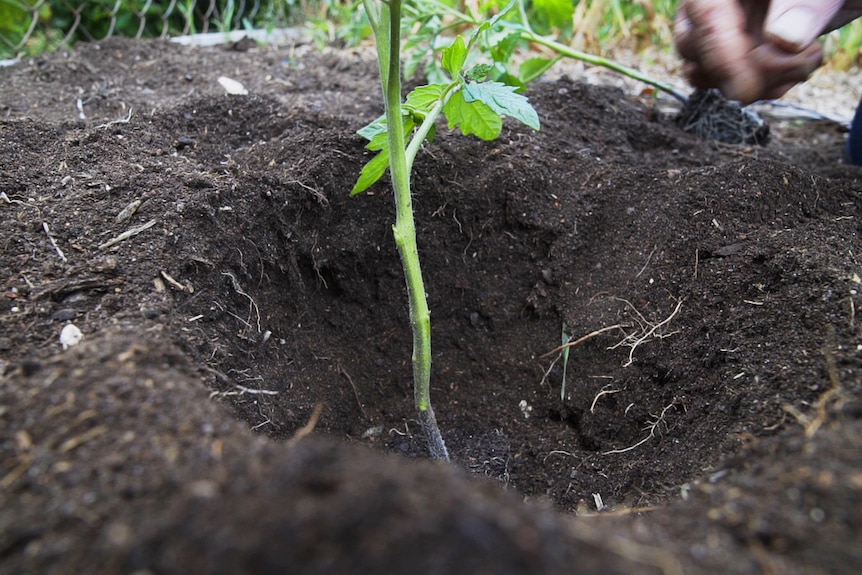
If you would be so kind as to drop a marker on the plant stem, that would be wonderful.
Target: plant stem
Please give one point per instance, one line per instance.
(425, 127)
(526, 33)
(564, 50)
(404, 229)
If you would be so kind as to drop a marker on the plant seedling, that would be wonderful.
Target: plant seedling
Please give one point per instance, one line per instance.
(469, 103)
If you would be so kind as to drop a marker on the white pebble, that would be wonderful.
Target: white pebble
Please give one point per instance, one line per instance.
(70, 336)
(232, 86)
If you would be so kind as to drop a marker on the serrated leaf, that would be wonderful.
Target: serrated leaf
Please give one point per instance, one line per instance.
(472, 117)
(513, 81)
(503, 100)
(534, 68)
(454, 57)
(423, 98)
(371, 172)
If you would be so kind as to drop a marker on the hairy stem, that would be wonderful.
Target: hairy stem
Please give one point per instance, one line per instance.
(404, 229)
(425, 127)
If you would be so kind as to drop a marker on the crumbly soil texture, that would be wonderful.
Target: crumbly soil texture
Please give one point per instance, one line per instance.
(241, 398)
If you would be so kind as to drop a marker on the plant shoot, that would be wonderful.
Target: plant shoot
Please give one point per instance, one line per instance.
(471, 104)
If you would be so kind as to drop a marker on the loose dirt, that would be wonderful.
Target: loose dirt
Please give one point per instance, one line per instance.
(226, 285)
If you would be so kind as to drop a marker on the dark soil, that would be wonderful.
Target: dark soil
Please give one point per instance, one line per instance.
(712, 423)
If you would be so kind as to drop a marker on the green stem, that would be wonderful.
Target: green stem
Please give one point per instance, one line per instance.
(404, 229)
(373, 15)
(527, 33)
(427, 123)
(599, 61)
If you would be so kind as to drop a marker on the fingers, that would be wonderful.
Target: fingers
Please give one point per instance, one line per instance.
(851, 11)
(748, 53)
(712, 36)
(783, 70)
(777, 70)
(793, 25)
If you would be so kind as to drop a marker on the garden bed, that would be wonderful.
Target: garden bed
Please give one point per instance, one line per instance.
(226, 285)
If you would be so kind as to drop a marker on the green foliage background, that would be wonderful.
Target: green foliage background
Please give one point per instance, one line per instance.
(29, 27)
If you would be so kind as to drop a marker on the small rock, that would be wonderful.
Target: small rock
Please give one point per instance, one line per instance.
(64, 314)
(70, 336)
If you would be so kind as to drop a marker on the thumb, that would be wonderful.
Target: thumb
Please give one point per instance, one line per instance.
(793, 25)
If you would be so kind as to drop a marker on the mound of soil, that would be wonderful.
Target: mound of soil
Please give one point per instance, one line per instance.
(233, 299)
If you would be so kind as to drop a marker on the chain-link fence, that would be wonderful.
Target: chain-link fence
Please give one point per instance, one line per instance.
(33, 26)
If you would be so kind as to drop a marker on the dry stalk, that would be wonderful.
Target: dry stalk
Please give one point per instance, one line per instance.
(54, 242)
(582, 339)
(125, 120)
(131, 232)
(550, 367)
(176, 284)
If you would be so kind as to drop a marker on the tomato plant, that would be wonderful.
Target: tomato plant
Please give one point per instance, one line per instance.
(470, 103)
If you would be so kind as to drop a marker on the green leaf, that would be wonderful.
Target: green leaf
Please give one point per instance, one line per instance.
(503, 100)
(423, 98)
(503, 49)
(489, 24)
(454, 57)
(513, 81)
(479, 72)
(555, 12)
(377, 126)
(472, 117)
(432, 133)
(566, 339)
(380, 141)
(378, 136)
(371, 172)
(506, 10)
(534, 68)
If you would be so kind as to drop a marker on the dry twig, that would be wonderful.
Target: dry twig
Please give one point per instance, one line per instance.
(131, 232)
(582, 339)
(54, 242)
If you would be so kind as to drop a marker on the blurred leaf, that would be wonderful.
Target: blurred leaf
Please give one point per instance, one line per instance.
(535, 68)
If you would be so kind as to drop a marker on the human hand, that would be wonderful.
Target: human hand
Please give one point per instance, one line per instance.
(755, 49)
